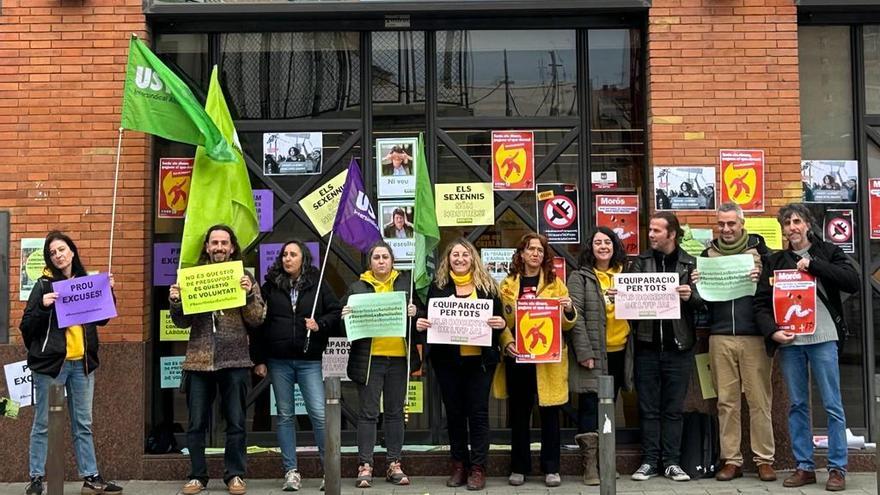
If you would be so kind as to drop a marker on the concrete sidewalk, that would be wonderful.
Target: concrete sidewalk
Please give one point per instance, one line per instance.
(857, 483)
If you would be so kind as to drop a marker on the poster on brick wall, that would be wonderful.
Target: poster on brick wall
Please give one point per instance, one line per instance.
(175, 176)
(31, 266)
(742, 178)
(684, 188)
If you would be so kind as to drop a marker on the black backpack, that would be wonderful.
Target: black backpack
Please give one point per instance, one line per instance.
(700, 445)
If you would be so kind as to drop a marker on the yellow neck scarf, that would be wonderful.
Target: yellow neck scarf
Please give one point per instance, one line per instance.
(461, 280)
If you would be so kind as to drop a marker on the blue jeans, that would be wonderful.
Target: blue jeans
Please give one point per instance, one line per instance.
(284, 373)
(203, 386)
(80, 390)
(821, 359)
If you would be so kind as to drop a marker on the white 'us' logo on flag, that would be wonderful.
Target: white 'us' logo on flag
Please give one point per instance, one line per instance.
(146, 78)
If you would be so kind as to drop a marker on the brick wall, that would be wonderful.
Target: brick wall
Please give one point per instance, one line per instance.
(62, 64)
(724, 74)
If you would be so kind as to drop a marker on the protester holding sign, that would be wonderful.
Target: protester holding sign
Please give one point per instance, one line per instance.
(600, 344)
(279, 347)
(737, 357)
(816, 355)
(67, 356)
(532, 277)
(217, 359)
(465, 372)
(664, 353)
(380, 367)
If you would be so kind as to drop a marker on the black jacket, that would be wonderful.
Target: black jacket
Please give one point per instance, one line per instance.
(445, 354)
(45, 342)
(834, 273)
(736, 317)
(359, 357)
(283, 333)
(682, 328)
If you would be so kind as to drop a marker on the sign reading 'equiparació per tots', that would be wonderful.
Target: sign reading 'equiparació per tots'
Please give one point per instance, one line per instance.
(460, 321)
(381, 314)
(211, 287)
(646, 296)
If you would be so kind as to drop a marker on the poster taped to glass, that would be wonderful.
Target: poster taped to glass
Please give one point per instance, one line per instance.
(684, 188)
(395, 167)
(830, 181)
(293, 153)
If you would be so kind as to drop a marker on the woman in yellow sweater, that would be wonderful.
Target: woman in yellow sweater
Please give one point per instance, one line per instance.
(380, 367)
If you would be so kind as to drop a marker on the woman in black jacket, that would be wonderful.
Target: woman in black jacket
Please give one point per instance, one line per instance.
(300, 318)
(380, 367)
(67, 356)
(465, 372)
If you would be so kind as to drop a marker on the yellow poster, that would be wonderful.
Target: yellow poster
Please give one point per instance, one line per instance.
(465, 204)
(705, 374)
(321, 204)
(768, 228)
(212, 287)
(168, 331)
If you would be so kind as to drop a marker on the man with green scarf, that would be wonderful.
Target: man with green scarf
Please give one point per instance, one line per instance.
(737, 356)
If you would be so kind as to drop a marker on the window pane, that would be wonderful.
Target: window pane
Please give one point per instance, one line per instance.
(291, 75)
(871, 36)
(826, 93)
(506, 73)
(187, 54)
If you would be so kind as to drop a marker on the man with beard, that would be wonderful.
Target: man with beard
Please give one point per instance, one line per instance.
(217, 358)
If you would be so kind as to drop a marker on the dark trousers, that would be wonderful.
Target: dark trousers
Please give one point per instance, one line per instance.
(662, 381)
(465, 386)
(588, 402)
(203, 386)
(522, 389)
(388, 375)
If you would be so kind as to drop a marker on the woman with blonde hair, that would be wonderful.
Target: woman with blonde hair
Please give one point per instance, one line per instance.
(465, 372)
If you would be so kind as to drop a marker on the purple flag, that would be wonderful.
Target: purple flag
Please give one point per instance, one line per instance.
(355, 220)
(84, 300)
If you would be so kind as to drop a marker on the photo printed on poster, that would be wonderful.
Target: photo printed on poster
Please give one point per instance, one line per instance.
(396, 224)
(684, 188)
(293, 153)
(830, 181)
(396, 167)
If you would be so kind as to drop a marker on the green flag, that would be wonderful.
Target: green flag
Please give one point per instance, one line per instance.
(156, 101)
(427, 234)
(220, 192)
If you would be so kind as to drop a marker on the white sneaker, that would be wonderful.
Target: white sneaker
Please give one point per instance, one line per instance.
(292, 481)
(516, 479)
(323, 481)
(676, 473)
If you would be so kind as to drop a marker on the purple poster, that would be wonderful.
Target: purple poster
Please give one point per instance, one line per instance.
(166, 256)
(265, 203)
(84, 300)
(269, 252)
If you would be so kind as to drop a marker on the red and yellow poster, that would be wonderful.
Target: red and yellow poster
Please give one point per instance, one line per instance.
(742, 178)
(874, 198)
(175, 175)
(620, 214)
(794, 301)
(538, 331)
(513, 160)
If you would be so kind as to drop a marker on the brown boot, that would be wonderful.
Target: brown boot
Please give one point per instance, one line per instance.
(836, 481)
(800, 478)
(589, 444)
(477, 478)
(457, 476)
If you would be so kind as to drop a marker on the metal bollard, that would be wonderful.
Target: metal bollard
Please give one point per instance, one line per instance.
(607, 442)
(332, 436)
(877, 428)
(56, 454)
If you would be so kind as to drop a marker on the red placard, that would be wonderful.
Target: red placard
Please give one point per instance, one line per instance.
(175, 175)
(559, 267)
(742, 178)
(794, 301)
(620, 214)
(874, 198)
(538, 331)
(513, 160)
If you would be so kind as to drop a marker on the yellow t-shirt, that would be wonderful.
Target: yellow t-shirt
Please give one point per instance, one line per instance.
(75, 343)
(385, 346)
(616, 331)
(470, 350)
